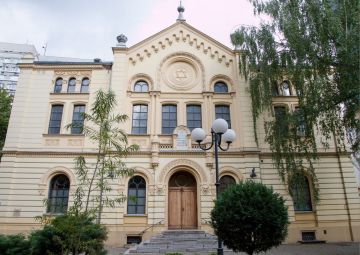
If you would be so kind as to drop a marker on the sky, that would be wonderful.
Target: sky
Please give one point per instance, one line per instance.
(88, 28)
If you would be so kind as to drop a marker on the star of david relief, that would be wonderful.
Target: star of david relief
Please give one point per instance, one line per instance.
(180, 74)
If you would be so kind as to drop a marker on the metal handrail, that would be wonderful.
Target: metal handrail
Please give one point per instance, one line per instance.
(146, 229)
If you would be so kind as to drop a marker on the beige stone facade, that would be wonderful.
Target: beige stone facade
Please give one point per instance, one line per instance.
(181, 66)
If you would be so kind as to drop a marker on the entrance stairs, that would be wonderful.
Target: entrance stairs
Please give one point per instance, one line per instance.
(178, 241)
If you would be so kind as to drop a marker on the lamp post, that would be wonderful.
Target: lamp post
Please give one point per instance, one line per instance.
(219, 131)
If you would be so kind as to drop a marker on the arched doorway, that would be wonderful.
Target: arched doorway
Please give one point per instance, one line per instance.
(182, 201)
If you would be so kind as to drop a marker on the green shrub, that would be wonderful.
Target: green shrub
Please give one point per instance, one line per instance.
(70, 233)
(14, 245)
(249, 217)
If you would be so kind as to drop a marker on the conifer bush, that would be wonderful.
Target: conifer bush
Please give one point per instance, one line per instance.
(250, 217)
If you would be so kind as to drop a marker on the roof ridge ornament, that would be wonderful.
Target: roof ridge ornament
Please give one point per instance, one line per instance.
(181, 10)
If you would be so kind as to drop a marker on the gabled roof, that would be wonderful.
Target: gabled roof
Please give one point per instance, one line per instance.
(191, 28)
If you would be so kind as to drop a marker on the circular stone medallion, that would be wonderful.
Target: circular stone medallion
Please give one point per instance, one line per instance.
(180, 75)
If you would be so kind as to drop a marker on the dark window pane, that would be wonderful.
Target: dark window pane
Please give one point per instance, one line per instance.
(78, 119)
(139, 123)
(301, 196)
(220, 87)
(225, 182)
(58, 194)
(136, 195)
(55, 119)
(85, 85)
(58, 85)
(193, 113)
(285, 86)
(169, 118)
(223, 112)
(71, 85)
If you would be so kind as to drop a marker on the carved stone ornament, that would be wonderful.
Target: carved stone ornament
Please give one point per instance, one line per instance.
(122, 39)
(72, 73)
(205, 189)
(181, 71)
(160, 189)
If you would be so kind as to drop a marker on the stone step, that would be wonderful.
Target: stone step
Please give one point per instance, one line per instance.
(181, 241)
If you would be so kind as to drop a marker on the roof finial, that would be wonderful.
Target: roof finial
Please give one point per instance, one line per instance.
(181, 10)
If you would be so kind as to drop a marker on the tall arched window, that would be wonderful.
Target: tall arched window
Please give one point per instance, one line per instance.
(225, 182)
(300, 192)
(220, 87)
(85, 85)
(71, 85)
(141, 86)
(58, 194)
(58, 85)
(136, 195)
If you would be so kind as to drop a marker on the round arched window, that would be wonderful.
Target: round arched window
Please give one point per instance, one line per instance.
(141, 86)
(225, 182)
(58, 194)
(136, 195)
(220, 87)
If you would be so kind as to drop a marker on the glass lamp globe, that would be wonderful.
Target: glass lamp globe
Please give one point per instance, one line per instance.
(198, 134)
(220, 126)
(229, 136)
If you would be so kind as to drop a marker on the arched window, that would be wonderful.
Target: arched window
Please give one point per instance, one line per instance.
(78, 119)
(58, 85)
(285, 86)
(300, 192)
(220, 87)
(85, 85)
(225, 182)
(58, 194)
(141, 86)
(136, 195)
(71, 85)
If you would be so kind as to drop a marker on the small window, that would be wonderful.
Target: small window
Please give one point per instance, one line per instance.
(193, 116)
(285, 86)
(58, 194)
(85, 85)
(301, 125)
(169, 118)
(225, 182)
(55, 119)
(141, 86)
(58, 85)
(300, 192)
(308, 236)
(139, 120)
(136, 195)
(280, 118)
(133, 239)
(78, 119)
(71, 85)
(220, 87)
(223, 112)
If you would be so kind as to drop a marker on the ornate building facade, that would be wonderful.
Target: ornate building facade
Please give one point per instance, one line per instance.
(167, 84)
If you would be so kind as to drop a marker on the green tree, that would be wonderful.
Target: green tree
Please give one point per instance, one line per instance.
(14, 245)
(315, 45)
(5, 110)
(250, 217)
(101, 127)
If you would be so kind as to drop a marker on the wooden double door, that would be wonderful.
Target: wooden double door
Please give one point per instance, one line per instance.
(182, 201)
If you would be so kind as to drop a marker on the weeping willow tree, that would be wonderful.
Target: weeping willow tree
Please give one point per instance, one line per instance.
(314, 44)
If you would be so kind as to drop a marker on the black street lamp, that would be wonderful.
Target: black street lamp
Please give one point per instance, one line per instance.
(219, 131)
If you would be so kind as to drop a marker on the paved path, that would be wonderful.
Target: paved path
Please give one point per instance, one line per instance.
(292, 249)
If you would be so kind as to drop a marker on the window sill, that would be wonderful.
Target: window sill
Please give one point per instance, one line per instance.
(69, 93)
(304, 212)
(52, 214)
(63, 135)
(135, 215)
